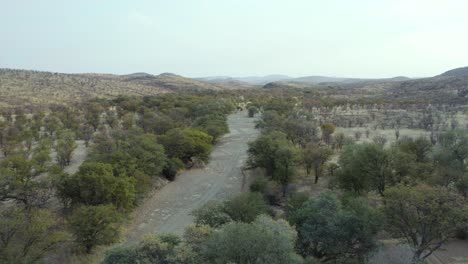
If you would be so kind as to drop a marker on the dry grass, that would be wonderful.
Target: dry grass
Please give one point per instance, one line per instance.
(32, 88)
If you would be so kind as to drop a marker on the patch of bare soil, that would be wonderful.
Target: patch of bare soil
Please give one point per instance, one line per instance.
(454, 252)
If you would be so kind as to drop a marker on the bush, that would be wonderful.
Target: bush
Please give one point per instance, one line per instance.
(211, 214)
(245, 207)
(187, 144)
(95, 225)
(172, 167)
(196, 235)
(157, 249)
(330, 230)
(121, 255)
(252, 111)
(259, 185)
(263, 241)
(95, 184)
(273, 193)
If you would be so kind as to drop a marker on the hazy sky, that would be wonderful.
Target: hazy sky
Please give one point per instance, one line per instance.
(353, 38)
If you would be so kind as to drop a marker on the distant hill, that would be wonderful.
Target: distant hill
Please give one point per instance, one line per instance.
(35, 88)
(451, 86)
(458, 72)
(170, 82)
(318, 79)
(324, 80)
(245, 81)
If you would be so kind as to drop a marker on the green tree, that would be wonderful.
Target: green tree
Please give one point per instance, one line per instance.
(419, 147)
(263, 241)
(65, 146)
(327, 131)
(333, 231)
(242, 208)
(86, 132)
(211, 214)
(365, 167)
(196, 235)
(300, 131)
(130, 152)
(93, 114)
(95, 225)
(315, 156)
(157, 249)
(19, 182)
(245, 207)
(26, 236)
(274, 153)
(95, 184)
(450, 155)
(426, 217)
(52, 124)
(339, 140)
(121, 255)
(187, 144)
(252, 110)
(214, 125)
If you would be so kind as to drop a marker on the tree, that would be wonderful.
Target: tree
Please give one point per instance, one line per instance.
(300, 132)
(95, 184)
(112, 119)
(339, 140)
(95, 225)
(426, 217)
(315, 156)
(252, 111)
(450, 155)
(26, 236)
(365, 167)
(93, 114)
(186, 144)
(196, 235)
(263, 241)
(130, 151)
(327, 131)
(285, 159)
(87, 132)
(420, 147)
(245, 207)
(332, 231)
(18, 181)
(211, 214)
(274, 153)
(242, 208)
(52, 124)
(121, 255)
(214, 125)
(172, 167)
(65, 146)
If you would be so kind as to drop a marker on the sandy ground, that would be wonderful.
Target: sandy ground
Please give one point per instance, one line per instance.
(454, 252)
(168, 210)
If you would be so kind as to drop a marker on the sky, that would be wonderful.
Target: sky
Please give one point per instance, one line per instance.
(358, 38)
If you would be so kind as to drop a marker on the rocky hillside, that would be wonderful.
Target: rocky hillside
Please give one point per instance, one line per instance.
(20, 87)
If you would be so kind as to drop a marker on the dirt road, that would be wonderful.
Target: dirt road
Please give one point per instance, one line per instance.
(168, 210)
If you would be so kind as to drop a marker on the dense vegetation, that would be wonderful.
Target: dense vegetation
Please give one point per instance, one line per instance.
(337, 177)
(132, 144)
